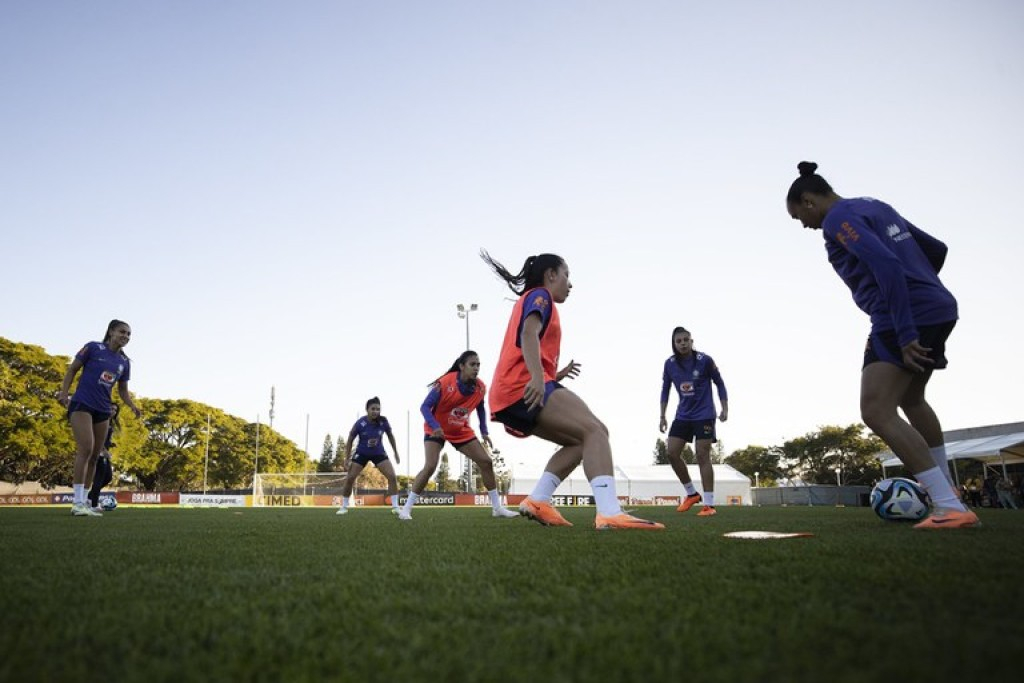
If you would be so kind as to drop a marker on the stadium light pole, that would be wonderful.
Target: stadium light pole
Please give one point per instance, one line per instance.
(757, 480)
(305, 464)
(464, 311)
(256, 467)
(206, 467)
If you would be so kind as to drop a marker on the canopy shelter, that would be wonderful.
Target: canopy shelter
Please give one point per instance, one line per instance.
(994, 445)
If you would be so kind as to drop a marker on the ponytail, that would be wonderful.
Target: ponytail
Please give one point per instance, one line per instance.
(531, 275)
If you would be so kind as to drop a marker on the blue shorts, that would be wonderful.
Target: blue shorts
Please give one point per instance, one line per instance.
(883, 346)
(519, 420)
(688, 430)
(362, 459)
(79, 407)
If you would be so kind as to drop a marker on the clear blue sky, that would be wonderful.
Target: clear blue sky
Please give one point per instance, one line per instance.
(294, 194)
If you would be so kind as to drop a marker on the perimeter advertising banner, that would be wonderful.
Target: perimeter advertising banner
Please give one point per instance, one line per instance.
(68, 498)
(27, 499)
(212, 500)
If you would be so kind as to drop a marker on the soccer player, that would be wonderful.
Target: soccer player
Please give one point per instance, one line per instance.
(892, 269)
(446, 412)
(103, 364)
(369, 429)
(104, 470)
(692, 372)
(527, 398)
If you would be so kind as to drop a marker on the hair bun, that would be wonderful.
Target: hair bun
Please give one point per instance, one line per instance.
(807, 168)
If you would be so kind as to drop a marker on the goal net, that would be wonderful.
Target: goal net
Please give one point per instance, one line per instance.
(296, 484)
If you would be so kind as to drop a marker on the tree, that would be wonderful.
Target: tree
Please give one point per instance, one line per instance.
(326, 463)
(764, 461)
(443, 476)
(36, 442)
(371, 478)
(339, 454)
(816, 455)
(661, 453)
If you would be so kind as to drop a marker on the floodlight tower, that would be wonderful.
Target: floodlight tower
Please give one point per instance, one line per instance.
(464, 312)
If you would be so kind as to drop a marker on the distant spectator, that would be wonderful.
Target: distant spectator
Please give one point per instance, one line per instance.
(1004, 489)
(990, 491)
(974, 492)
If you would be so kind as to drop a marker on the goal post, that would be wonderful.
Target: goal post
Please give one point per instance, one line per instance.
(268, 487)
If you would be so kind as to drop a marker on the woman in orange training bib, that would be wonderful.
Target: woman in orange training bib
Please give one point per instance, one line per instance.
(446, 412)
(527, 398)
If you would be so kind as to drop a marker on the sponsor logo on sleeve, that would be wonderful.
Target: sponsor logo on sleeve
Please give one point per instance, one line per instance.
(895, 233)
(847, 233)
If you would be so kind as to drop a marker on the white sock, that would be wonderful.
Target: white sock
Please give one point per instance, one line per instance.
(495, 499)
(941, 461)
(394, 500)
(940, 490)
(79, 493)
(411, 500)
(605, 498)
(691, 490)
(345, 501)
(709, 498)
(545, 487)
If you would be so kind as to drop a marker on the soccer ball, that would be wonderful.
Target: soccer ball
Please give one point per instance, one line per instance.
(108, 503)
(899, 500)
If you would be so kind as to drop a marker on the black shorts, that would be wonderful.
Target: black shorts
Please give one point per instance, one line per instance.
(688, 430)
(519, 420)
(363, 458)
(79, 407)
(883, 347)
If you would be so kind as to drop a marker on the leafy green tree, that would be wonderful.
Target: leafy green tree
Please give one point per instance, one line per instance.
(764, 461)
(339, 453)
(172, 457)
(816, 455)
(443, 476)
(326, 463)
(661, 453)
(232, 454)
(371, 478)
(35, 439)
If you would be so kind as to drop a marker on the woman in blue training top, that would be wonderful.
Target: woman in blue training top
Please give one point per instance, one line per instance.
(102, 364)
(370, 431)
(692, 373)
(892, 269)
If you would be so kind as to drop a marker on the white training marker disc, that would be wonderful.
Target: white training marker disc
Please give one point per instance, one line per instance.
(759, 535)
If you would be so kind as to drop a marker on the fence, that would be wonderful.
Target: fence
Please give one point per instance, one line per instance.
(853, 496)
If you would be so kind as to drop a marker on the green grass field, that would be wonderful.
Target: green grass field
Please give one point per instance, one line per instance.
(303, 595)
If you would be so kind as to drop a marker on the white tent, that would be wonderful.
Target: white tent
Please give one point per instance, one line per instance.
(992, 445)
(642, 484)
